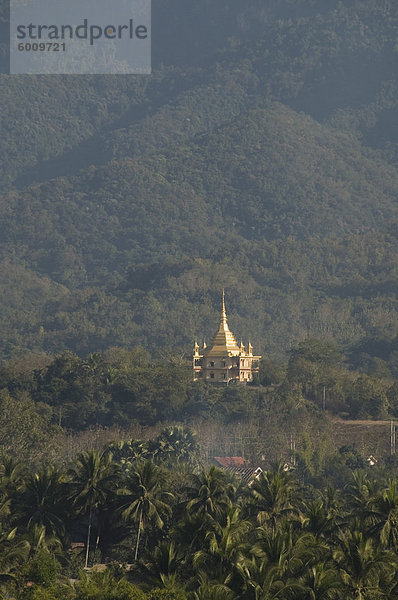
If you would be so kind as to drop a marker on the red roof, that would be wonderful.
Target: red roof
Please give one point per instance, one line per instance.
(230, 461)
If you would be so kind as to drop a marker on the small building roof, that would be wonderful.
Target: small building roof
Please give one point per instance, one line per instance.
(230, 461)
(239, 467)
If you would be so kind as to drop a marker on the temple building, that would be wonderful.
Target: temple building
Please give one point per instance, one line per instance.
(225, 361)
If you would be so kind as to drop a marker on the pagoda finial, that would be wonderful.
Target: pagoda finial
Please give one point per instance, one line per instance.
(223, 312)
(224, 340)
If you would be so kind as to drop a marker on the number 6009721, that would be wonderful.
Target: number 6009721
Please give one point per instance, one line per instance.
(42, 47)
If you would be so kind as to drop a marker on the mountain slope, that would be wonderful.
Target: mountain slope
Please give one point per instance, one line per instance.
(264, 163)
(271, 205)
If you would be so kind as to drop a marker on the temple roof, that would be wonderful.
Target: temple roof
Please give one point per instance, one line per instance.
(224, 342)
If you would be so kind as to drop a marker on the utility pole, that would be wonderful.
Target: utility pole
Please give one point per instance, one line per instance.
(292, 450)
(392, 438)
(324, 398)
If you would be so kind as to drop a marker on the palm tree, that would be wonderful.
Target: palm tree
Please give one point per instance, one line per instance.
(264, 582)
(271, 496)
(322, 582)
(280, 562)
(40, 501)
(363, 567)
(162, 565)
(273, 547)
(225, 549)
(384, 515)
(124, 453)
(91, 480)
(144, 499)
(208, 590)
(13, 553)
(360, 493)
(318, 520)
(275, 568)
(213, 591)
(190, 532)
(289, 551)
(38, 539)
(210, 493)
(175, 442)
(11, 474)
(105, 585)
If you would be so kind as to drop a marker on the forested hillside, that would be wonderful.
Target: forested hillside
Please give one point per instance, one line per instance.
(260, 156)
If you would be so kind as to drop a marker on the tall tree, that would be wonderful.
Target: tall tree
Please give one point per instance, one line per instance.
(384, 514)
(271, 497)
(224, 550)
(92, 478)
(145, 501)
(40, 501)
(210, 493)
(366, 571)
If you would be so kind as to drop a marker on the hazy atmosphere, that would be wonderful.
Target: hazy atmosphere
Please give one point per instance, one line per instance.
(259, 157)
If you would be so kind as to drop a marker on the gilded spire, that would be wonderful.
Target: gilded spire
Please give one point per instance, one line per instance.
(223, 311)
(224, 342)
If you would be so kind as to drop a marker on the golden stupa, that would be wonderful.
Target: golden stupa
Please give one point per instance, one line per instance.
(225, 361)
